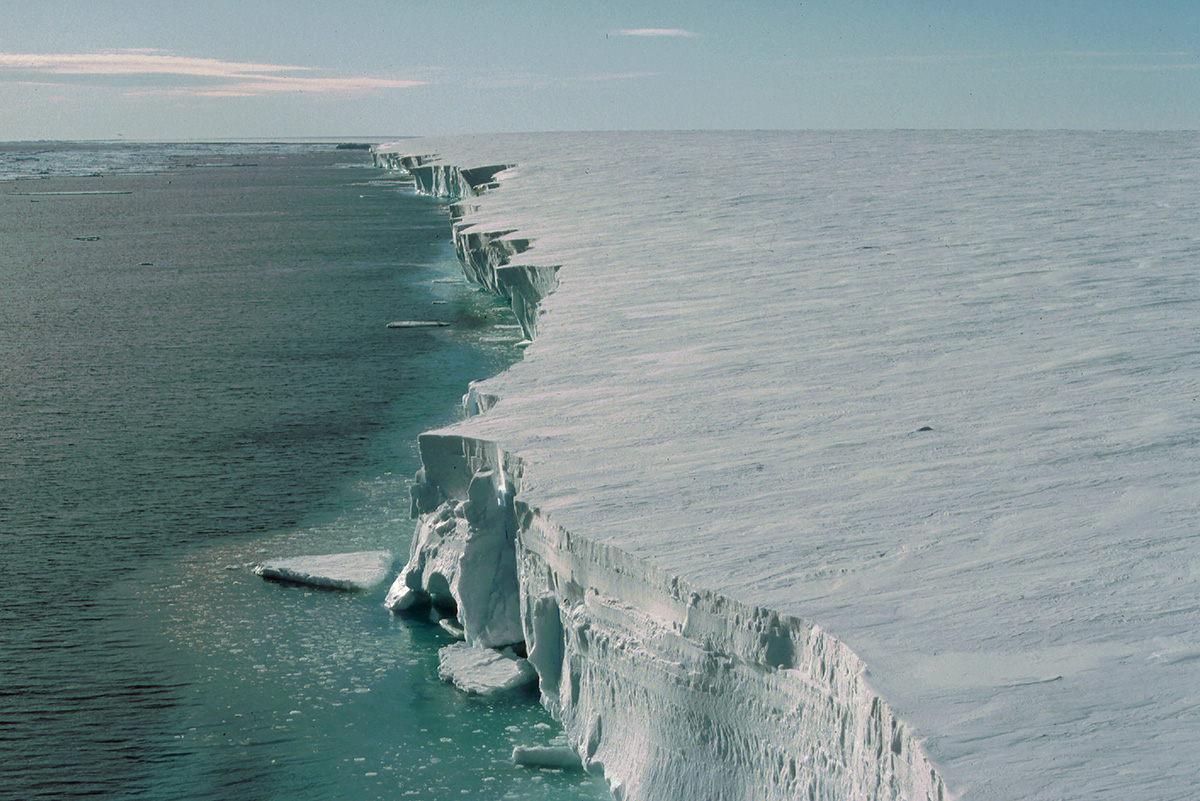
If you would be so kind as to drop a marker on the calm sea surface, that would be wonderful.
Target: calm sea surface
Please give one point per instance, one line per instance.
(195, 374)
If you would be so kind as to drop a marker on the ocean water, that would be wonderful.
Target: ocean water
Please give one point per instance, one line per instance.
(195, 374)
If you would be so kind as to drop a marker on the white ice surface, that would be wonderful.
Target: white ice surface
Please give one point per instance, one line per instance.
(482, 671)
(749, 332)
(362, 570)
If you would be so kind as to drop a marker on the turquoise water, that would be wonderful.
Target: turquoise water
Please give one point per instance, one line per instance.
(195, 374)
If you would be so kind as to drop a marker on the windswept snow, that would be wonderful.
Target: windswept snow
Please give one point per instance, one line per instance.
(928, 398)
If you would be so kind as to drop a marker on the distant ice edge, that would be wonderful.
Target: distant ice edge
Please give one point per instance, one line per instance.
(669, 691)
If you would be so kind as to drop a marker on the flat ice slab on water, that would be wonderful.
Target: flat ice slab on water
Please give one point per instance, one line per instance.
(546, 756)
(751, 331)
(362, 570)
(482, 671)
(418, 324)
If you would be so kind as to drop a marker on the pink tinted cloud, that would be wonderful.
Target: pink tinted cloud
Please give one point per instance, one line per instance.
(266, 85)
(229, 78)
(134, 62)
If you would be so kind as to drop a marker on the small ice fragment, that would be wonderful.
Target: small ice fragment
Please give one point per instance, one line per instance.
(451, 627)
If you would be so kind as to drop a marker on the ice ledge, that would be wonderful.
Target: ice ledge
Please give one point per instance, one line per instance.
(668, 690)
(487, 256)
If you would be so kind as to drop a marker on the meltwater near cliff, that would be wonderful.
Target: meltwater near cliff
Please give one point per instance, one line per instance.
(838, 465)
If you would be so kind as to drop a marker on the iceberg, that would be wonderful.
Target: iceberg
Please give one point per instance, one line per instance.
(840, 465)
(362, 570)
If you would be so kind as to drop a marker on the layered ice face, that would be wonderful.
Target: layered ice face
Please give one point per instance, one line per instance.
(841, 465)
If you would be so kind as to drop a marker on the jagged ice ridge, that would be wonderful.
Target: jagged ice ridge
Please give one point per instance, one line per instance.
(855, 466)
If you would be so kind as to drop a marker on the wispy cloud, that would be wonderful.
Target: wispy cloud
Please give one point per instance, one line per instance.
(1060, 59)
(1110, 61)
(1133, 67)
(266, 85)
(926, 58)
(493, 79)
(617, 76)
(211, 77)
(1120, 54)
(134, 62)
(661, 32)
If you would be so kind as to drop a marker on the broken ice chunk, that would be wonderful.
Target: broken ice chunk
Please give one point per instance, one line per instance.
(483, 671)
(546, 756)
(400, 598)
(362, 570)
(451, 627)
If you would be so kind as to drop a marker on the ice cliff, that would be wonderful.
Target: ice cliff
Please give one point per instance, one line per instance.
(842, 466)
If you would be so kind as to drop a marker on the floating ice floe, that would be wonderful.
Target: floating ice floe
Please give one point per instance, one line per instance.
(483, 671)
(417, 324)
(546, 756)
(362, 570)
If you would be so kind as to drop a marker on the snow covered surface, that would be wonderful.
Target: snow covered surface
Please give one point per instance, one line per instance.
(362, 570)
(482, 671)
(930, 397)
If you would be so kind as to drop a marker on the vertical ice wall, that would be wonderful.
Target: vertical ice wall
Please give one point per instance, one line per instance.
(668, 690)
(485, 255)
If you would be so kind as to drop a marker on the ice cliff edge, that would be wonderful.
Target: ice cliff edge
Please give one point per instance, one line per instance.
(668, 689)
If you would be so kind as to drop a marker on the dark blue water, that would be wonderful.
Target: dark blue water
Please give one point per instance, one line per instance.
(194, 373)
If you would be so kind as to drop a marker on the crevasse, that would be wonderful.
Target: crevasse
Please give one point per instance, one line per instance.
(668, 690)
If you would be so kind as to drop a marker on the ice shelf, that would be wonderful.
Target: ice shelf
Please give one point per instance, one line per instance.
(842, 465)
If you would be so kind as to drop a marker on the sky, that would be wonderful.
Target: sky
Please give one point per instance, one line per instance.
(168, 70)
